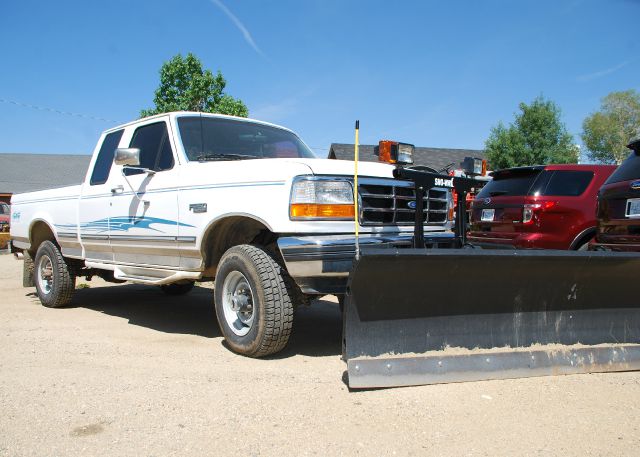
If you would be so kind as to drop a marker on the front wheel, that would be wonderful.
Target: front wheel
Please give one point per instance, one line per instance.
(252, 300)
(54, 282)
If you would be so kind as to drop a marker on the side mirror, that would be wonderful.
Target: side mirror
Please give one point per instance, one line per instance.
(127, 156)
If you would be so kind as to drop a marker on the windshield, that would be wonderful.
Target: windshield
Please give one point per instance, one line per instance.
(4, 208)
(207, 138)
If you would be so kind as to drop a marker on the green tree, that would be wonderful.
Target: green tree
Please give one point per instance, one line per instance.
(607, 132)
(185, 86)
(537, 136)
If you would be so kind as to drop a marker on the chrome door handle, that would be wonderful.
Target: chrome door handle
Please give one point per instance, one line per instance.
(117, 190)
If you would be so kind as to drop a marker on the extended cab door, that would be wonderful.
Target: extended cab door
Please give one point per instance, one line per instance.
(143, 220)
(93, 212)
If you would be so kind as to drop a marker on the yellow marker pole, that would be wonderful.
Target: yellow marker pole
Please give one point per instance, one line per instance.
(355, 189)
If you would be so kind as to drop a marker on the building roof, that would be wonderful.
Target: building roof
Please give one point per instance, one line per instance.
(30, 172)
(436, 158)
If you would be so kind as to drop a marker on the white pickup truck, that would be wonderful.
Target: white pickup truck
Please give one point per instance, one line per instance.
(183, 197)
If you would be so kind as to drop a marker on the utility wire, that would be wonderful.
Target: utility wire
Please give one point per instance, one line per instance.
(84, 116)
(57, 111)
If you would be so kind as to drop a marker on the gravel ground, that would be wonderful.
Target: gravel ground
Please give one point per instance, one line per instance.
(128, 371)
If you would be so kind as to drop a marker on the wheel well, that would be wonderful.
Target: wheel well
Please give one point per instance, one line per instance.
(40, 231)
(582, 237)
(232, 231)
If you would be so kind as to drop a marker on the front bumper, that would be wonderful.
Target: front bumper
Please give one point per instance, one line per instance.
(320, 264)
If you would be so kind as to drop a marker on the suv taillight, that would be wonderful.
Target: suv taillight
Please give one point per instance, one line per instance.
(530, 210)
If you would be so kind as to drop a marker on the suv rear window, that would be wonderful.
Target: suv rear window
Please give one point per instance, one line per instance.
(518, 183)
(628, 170)
(510, 183)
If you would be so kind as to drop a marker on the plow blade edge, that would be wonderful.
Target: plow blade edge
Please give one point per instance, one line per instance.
(447, 315)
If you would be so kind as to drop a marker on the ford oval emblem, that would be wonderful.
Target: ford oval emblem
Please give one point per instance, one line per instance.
(412, 204)
(487, 201)
(635, 185)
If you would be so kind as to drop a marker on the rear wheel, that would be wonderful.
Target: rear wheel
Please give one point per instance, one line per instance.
(584, 245)
(54, 282)
(177, 288)
(253, 301)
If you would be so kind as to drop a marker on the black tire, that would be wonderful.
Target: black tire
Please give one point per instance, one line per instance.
(263, 288)
(177, 288)
(584, 245)
(54, 282)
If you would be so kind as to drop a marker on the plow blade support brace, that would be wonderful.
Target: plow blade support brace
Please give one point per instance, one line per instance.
(415, 316)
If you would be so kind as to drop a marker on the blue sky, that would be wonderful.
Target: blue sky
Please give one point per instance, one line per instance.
(437, 74)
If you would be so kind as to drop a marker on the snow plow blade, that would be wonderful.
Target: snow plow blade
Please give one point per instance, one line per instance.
(416, 316)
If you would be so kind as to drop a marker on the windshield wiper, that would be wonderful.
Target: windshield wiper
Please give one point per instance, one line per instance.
(498, 192)
(223, 156)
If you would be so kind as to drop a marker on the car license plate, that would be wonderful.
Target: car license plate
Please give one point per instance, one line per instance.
(633, 207)
(487, 215)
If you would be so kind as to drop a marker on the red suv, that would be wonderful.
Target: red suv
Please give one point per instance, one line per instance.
(5, 212)
(538, 207)
(619, 206)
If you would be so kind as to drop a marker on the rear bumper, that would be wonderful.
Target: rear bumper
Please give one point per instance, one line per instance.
(519, 241)
(320, 264)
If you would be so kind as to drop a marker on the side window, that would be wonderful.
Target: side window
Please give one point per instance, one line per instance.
(565, 183)
(155, 148)
(102, 168)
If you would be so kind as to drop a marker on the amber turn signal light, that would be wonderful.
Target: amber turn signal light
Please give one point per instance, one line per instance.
(321, 211)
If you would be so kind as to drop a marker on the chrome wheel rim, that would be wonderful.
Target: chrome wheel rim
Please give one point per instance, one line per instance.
(238, 303)
(45, 274)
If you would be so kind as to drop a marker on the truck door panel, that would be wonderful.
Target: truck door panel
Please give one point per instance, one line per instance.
(143, 219)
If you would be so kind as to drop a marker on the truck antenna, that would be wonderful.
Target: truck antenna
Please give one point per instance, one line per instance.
(355, 189)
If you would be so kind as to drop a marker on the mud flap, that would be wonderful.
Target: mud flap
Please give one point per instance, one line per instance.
(415, 316)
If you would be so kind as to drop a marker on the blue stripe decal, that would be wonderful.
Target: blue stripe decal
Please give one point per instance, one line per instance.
(122, 224)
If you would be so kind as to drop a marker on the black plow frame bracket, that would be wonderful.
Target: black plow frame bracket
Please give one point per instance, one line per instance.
(424, 181)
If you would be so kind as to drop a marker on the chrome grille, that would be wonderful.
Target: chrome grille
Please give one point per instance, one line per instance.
(386, 202)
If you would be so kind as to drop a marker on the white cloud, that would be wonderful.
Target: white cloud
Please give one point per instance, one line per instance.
(601, 73)
(245, 32)
(275, 112)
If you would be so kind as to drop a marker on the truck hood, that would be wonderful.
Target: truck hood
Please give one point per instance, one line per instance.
(345, 167)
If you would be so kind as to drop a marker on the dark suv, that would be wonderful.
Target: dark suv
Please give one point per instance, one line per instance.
(619, 206)
(538, 207)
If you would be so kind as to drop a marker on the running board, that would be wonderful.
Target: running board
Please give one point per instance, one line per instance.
(153, 276)
(146, 275)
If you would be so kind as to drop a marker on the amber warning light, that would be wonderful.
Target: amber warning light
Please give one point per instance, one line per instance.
(395, 152)
(474, 166)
